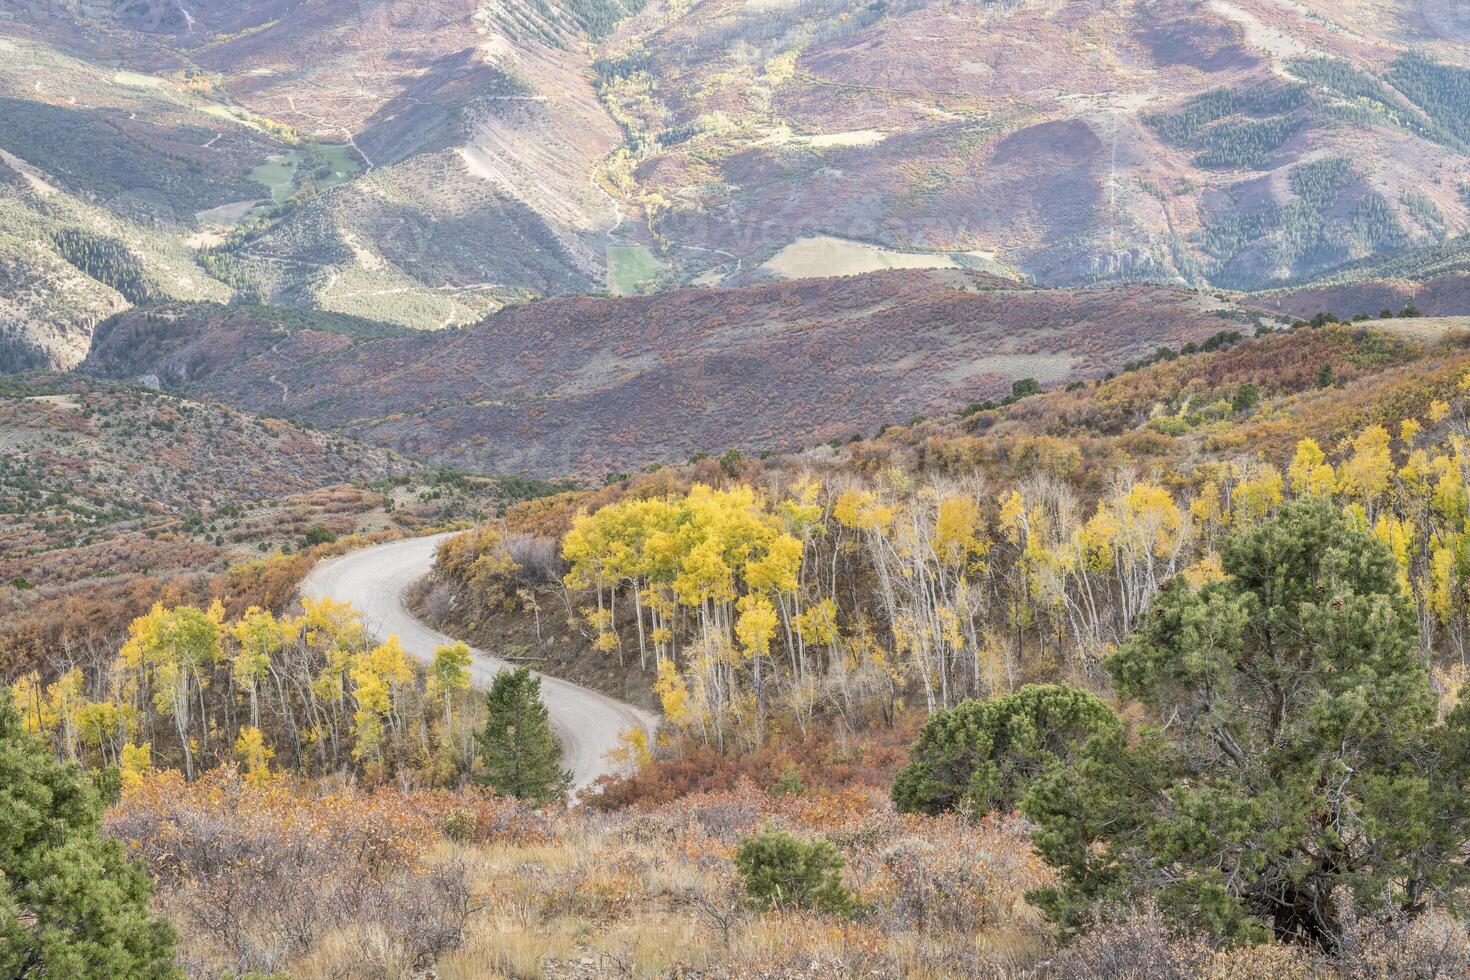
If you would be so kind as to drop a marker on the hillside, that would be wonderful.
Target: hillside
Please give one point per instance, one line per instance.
(726, 489)
(113, 497)
(390, 147)
(428, 164)
(85, 459)
(566, 386)
(1240, 143)
(103, 174)
(848, 641)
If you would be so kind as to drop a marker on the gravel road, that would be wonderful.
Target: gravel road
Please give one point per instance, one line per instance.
(375, 580)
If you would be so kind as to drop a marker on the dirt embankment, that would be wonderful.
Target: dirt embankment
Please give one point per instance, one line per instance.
(548, 636)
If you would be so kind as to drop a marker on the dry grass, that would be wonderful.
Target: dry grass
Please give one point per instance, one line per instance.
(325, 885)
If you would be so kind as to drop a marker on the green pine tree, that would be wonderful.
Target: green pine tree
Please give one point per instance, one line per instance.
(782, 870)
(520, 753)
(1295, 757)
(982, 755)
(1298, 760)
(71, 903)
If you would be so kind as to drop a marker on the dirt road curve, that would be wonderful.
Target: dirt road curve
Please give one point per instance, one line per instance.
(375, 580)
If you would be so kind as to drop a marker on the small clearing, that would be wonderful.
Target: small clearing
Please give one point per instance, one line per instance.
(227, 214)
(1426, 328)
(856, 137)
(630, 268)
(283, 173)
(234, 114)
(65, 402)
(783, 136)
(1278, 44)
(133, 79)
(825, 255)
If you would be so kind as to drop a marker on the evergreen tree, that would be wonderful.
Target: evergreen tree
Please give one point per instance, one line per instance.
(71, 903)
(1300, 760)
(782, 870)
(521, 755)
(982, 755)
(1295, 759)
(1246, 397)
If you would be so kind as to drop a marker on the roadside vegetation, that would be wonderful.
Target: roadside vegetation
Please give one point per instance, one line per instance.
(1155, 676)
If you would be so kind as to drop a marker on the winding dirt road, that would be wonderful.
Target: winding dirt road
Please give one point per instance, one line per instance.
(375, 579)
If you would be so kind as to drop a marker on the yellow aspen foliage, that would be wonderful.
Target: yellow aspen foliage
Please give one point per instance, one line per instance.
(97, 721)
(1409, 430)
(1258, 496)
(861, 510)
(599, 619)
(777, 571)
(1366, 474)
(1450, 493)
(258, 637)
(756, 625)
(818, 622)
(176, 643)
(1439, 410)
(254, 756)
(1205, 571)
(326, 624)
(1206, 507)
(135, 764)
(1150, 517)
(705, 575)
(1397, 534)
(801, 510)
(1417, 473)
(949, 628)
(1443, 582)
(1310, 473)
(959, 531)
(632, 750)
(1013, 517)
(377, 675)
(673, 693)
(37, 716)
(1097, 538)
(449, 671)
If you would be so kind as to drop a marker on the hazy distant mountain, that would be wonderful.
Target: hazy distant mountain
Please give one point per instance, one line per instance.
(428, 163)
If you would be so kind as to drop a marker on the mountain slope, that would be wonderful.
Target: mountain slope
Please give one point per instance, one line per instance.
(1238, 142)
(102, 173)
(590, 385)
(472, 132)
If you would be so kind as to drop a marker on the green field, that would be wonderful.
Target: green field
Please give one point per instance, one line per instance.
(631, 269)
(284, 172)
